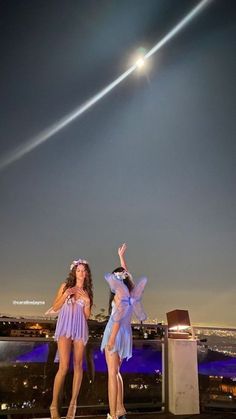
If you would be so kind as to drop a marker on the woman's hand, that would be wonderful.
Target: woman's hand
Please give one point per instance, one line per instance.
(122, 250)
(110, 344)
(121, 253)
(70, 291)
(80, 293)
(112, 338)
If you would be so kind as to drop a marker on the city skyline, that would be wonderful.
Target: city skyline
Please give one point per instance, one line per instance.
(152, 164)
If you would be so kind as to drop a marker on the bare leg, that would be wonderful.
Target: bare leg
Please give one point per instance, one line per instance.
(113, 364)
(64, 349)
(120, 409)
(77, 378)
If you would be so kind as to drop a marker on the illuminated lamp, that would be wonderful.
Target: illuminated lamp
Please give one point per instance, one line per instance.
(179, 325)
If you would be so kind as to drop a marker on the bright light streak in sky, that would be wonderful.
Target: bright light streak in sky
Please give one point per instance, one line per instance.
(63, 122)
(178, 27)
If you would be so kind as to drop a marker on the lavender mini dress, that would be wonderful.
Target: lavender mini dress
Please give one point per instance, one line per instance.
(71, 321)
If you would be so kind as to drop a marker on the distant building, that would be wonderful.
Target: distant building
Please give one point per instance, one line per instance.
(30, 333)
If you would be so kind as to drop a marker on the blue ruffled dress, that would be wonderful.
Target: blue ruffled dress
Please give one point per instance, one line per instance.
(128, 303)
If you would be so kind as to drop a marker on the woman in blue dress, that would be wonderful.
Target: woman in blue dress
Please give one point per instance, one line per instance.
(117, 339)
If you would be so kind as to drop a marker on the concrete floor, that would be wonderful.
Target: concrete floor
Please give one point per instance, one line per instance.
(209, 415)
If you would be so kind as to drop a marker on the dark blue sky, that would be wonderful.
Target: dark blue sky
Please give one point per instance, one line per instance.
(151, 164)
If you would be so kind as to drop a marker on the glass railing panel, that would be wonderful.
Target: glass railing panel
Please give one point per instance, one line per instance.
(217, 368)
(28, 368)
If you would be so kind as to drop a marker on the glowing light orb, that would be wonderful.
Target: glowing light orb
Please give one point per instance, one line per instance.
(140, 62)
(45, 135)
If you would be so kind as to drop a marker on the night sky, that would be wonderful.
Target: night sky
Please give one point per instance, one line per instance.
(152, 164)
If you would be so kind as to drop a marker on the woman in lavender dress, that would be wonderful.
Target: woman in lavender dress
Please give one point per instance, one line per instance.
(73, 301)
(117, 339)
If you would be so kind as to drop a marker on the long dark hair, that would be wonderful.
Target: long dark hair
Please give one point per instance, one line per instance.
(127, 281)
(88, 282)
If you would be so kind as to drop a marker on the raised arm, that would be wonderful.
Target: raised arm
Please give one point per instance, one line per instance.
(121, 253)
